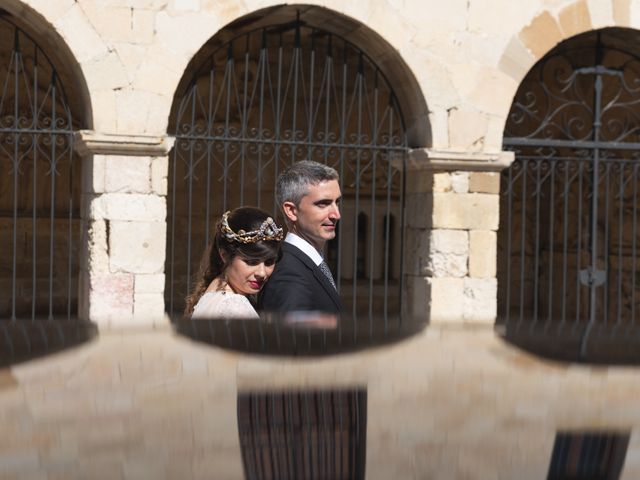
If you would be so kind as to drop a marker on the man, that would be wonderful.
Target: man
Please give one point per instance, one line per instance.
(309, 195)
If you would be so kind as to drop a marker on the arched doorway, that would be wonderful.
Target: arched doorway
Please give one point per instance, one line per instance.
(568, 243)
(39, 176)
(269, 90)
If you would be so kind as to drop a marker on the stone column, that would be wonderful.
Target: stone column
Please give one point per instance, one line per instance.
(124, 213)
(452, 219)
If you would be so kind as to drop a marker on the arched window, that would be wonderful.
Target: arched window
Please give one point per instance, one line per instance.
(266, 91)
(39, 178)
(568, 241)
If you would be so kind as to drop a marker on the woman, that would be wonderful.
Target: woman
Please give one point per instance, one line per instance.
(244, 251)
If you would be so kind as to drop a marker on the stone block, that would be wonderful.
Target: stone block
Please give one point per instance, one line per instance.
(159, 173)
(106, 72)
(142, 25)
(473, 211)
(467, 129)
(482, 253)
(97, 256)
(155, 78)
(103, 106)
(127, 174)
(575, 18)
(480, 300)
(542, 34)
(112, 22)
(137, 247)
(621, 12)
(444, 299)
(418, 210)
(416, 296)
(81, 37)
(448, 253)
(460, 182)
(125, 207)
(516, 60)
(148, 308)
(484, 182)
(417, 252)
(442, 182)
(93, 174)
(601, 13)
(149, 283)
(110, 297)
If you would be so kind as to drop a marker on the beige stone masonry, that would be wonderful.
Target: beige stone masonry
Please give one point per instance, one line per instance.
(449, 253)
(451, 160)
(482, 253)
(148, 308)
(149, 283)
(480, 304)
(159, 172)
(460, 182)
(90, 142)
(622, 12)
(484, 182)
(542, 34)
(575, 19)
(445, 295)
(137, 247)
(472, 211)
(127, 207)
(127, 174)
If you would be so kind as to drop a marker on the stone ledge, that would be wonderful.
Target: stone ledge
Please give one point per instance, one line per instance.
(88, 142)
(428, 159)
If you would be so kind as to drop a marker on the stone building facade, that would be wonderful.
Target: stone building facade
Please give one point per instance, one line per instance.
(452, 69)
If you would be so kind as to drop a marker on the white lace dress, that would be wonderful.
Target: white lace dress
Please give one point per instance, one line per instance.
(223, 305)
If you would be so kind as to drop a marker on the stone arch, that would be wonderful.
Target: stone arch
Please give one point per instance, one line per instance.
(409, 94)
(225, 51)
(58, 50)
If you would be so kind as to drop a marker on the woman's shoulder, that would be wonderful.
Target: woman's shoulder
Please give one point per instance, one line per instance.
(215, 304)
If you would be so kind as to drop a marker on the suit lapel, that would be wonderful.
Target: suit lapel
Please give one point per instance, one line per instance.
(315, 270)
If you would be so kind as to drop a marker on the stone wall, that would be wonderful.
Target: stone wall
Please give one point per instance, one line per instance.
(457, 66)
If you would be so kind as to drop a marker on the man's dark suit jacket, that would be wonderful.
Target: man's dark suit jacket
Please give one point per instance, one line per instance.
(297, 284)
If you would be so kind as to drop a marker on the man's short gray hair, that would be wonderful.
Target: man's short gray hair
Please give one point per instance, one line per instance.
(294, 182)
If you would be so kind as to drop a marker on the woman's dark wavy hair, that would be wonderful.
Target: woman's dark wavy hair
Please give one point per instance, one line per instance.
(213, 265)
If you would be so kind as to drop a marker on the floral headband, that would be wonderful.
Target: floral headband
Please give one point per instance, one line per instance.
(267, 231)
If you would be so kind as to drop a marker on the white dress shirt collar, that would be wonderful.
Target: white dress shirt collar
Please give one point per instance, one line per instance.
(305, 246)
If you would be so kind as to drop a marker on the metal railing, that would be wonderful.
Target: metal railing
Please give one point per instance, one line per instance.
(568, 246)
(39, 185)
(268, 98)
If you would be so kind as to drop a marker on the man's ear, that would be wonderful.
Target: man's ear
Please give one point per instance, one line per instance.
(290, 211)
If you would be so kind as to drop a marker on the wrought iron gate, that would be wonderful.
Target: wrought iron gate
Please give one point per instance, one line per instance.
(39, 188)
(270, 97)
(569, 227)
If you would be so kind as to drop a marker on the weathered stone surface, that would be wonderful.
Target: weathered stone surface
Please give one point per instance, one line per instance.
(621, 12)
(444, 295)
(123, 206)
(149, 283)
(127, 174)
(484, 182)
(474, 211)
(137, 247)
(80, 35)
(542, 34)
(93, 175)
(467, 129)
(97, 255)
(460, 182)
(575, 18)
(111, 297)
(482, 253)
(148, 307)
(480, 305)
(159, 173)
(448, 254)
(516, 59)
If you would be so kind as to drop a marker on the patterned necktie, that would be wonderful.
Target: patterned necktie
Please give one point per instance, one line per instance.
(325, 269)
